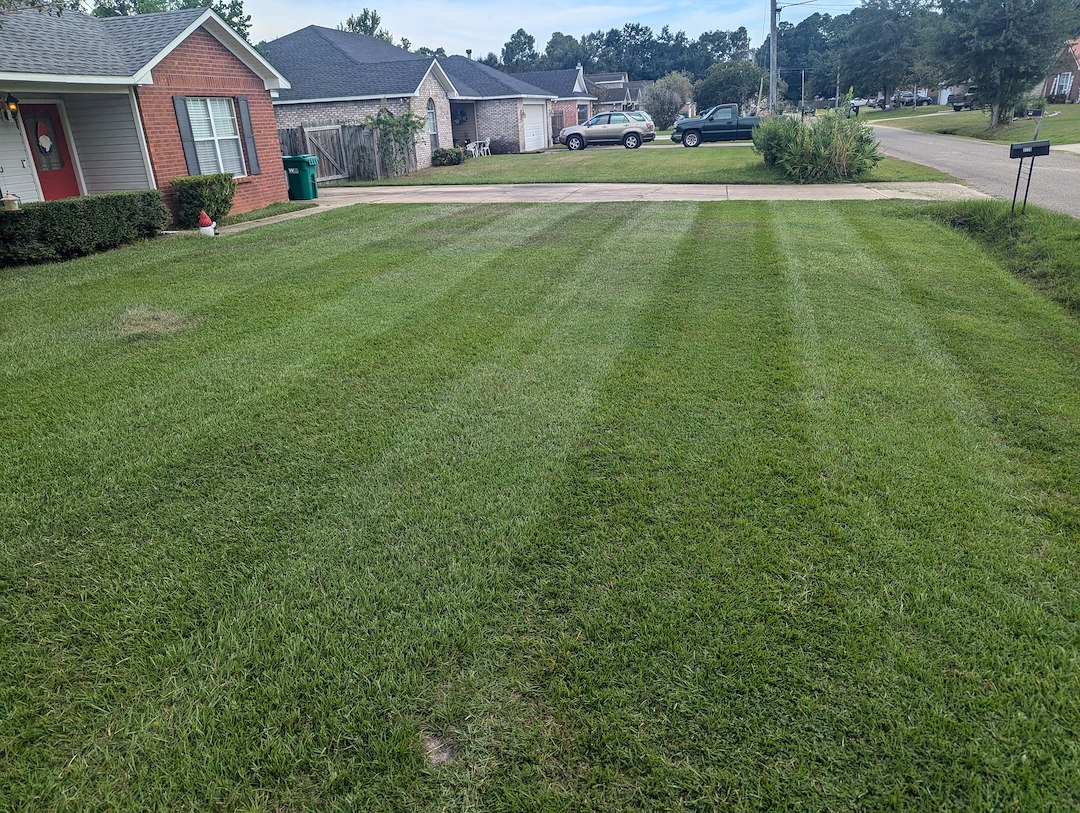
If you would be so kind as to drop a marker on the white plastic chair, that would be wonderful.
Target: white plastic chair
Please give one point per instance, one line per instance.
(473, 148)
(484, 146)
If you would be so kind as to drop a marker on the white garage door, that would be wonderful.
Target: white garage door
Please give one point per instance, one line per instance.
(536, 126)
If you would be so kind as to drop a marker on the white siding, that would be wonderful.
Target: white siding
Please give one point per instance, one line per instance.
(18, 176)
(107, 142)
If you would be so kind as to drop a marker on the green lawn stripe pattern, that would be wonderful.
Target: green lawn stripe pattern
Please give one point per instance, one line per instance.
(631, 506)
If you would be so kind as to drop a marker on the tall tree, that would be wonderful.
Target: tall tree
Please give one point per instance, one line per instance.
(735, 82)
(665, 97)
(231, 11)
(367, 22)
(519, 54)
(563, 51)
(1004, 48)
(885, 42)
(491, 60)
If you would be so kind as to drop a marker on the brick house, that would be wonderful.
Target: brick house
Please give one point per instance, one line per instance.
(510, 111)
(1064, 80)
(339, 77)
(342, 78)
(573, 103)
(100, 105)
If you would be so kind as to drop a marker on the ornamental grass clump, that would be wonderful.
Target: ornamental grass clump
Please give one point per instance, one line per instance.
(830, 149)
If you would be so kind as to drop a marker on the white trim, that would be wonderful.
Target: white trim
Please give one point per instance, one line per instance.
(70, 79)
(223, 33)
(344, 99)
(30, 163)
(499, 98)
(72, 149)
(142, 140)
(444, 80)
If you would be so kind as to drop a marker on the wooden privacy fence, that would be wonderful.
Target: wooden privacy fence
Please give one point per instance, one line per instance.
(350, 151)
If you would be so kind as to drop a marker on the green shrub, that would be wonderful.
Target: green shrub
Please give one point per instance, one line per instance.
(832, 148)
(772, 136)
(448, 156)
(197, 193)
(1057, 98)
(61, 229)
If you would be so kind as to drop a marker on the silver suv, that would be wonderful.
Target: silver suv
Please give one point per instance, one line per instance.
(609, 128)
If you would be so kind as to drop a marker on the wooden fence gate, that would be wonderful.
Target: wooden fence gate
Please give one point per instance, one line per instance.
(326, 144)
(556, 126)
(349, 151)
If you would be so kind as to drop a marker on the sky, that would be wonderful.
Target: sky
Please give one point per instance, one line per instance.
(484, 26)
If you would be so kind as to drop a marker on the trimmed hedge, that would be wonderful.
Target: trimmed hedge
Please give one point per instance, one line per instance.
(196, 193)
(448, 156)
(62, 229)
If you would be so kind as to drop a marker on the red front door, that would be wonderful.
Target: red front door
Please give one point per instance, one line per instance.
(49, 146)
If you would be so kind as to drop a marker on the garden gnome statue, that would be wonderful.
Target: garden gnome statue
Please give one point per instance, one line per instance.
(206, 225)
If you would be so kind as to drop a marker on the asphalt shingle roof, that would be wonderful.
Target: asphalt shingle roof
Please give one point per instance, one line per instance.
(322, 63)
(477, 80)
(557, 83)
(78, 44)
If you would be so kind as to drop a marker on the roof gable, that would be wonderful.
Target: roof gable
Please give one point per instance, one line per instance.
(475, 80)
(74, 47)
(563, 84)
(323, 63)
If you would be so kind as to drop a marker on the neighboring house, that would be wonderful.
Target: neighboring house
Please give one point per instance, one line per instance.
(1065, 78)
(573, 102)
(513, 113)
(103, 105)
(616, 91)
(342, 78)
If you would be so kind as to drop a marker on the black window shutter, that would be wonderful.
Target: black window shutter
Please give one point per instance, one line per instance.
(187, 138)
(249, 135)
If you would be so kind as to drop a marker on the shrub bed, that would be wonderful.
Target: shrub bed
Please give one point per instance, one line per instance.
(62, 229)
(196, 193)
(830, 149)
(448, 156)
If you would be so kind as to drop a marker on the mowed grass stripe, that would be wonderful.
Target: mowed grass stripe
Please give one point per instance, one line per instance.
(579, 498)
(502, 297)
(934, 521)
(659, 581)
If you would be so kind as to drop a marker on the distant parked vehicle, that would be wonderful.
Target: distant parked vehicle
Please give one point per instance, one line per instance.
(968, 101)
(720, 123)
(627, 129)
(906, 99)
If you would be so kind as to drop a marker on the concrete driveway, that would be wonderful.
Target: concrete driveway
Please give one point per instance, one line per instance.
(987, 167)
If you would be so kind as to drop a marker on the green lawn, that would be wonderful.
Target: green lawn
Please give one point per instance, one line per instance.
(648, 165)
(1060, 129)
(777, 509)
(873, 114)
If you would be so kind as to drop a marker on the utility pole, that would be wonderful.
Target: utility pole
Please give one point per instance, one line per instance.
(802, 93)
(773, 14)
(837, 88)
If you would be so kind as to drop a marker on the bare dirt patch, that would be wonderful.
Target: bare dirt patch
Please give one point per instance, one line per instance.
(437, 751)
(142, 321)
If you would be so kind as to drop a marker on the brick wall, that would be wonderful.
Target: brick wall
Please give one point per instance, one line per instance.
(500, 120)
(568, 107)
(202, 66)
(324, 113)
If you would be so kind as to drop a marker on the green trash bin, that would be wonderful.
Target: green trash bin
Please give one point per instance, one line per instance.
(300, 172)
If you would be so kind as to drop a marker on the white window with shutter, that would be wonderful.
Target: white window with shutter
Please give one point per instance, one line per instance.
(1062, 84)
(216, 135)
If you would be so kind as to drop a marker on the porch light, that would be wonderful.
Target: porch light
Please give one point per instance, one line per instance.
(11, 104)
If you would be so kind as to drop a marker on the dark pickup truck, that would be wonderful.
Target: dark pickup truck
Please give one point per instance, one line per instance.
(720, 123)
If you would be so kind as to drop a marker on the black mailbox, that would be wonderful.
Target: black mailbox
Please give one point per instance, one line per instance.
(1029, 149)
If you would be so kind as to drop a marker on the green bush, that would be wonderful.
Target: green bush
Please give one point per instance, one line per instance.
(62, 229)
(832, 148)
(197, 193)
(1057, 98)
(448, 156)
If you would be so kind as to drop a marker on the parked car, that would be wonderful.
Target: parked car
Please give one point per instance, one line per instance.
(720, 123)
(860, 102)
(969, 100)
(609, 128)
(905, 97)
(645, 119)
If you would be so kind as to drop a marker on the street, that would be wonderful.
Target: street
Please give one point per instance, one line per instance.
(987, 167)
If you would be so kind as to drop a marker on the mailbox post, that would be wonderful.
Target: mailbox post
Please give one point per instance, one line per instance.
(1022, 150)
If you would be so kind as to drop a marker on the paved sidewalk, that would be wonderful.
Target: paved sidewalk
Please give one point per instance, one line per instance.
(336, 197)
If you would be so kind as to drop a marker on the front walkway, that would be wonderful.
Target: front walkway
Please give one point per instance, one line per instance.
(336, 197)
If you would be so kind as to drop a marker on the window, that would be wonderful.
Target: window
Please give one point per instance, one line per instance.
(216, 135)
(1062, 84)
(619, 118)
(582, 113)
(722, 114)
(599, 120)
(432, 127)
